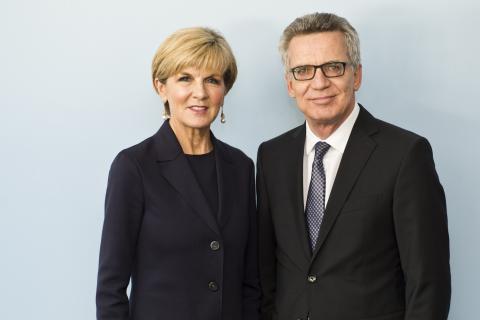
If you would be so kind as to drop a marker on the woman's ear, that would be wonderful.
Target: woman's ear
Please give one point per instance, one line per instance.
(161, 89)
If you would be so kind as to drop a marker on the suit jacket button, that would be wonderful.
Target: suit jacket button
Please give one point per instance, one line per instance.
(312, 279)
(213, 286)
(214, 245)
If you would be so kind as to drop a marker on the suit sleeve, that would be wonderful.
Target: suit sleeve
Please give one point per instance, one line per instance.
(267, 244)
(251, 289)
(420, 217)
(123, 215)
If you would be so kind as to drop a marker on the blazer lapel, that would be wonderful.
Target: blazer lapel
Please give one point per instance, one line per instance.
(357, 152)
(294, 170)
(225, 175)
(175, 168)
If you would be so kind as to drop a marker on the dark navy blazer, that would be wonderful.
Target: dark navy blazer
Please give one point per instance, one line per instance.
(184, 261)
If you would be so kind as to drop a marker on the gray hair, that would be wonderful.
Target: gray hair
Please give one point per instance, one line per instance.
(321, 22)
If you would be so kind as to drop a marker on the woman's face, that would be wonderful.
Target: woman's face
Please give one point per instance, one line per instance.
(194, 97)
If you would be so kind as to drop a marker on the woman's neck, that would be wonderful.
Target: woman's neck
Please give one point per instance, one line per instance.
(192, 140)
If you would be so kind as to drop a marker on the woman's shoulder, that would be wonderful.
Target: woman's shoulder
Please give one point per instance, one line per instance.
(232, 153)
(139, 148)
(138, 152)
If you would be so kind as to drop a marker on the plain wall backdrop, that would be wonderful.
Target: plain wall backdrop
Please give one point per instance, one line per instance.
(75, 89)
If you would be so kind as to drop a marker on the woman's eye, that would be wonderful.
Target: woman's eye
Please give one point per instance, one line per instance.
(184, 78)
(213, 81)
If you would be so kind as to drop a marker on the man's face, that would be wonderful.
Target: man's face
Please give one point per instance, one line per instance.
(325, 102)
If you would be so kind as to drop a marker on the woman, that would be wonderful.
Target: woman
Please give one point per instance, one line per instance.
(180, 206)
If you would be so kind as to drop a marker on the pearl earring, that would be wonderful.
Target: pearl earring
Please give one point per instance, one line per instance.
(222, 116)
(166, 114)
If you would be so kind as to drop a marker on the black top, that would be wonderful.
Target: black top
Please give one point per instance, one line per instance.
(205, 170)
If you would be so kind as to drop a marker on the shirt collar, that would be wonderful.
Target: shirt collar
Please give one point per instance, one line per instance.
(338, 139)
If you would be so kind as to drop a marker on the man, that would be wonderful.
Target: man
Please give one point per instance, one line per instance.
(352, 216)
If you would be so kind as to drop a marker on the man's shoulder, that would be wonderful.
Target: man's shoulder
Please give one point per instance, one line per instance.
(389, 132)
(286, 139)
(385, 131)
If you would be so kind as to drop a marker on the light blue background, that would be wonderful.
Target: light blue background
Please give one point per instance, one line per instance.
(75, 89)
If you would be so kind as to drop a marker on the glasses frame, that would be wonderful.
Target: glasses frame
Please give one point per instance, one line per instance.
(320, 66)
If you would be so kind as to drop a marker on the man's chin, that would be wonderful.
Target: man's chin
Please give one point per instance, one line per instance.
(324, 118)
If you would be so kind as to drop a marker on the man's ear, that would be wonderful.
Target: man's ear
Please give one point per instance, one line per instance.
(289, 80)
(357, 81)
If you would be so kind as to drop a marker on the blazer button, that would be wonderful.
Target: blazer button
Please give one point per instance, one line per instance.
(214, 245)
(213, 286)
(312, 279)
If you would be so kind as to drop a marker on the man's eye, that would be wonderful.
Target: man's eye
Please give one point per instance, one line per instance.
(335, 67)
(301, 70)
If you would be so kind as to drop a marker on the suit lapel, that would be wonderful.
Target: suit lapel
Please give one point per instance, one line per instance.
(357, 152)
(225, 175)
(176, 170)
(294, 171)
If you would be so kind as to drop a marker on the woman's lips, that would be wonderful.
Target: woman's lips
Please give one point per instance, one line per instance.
(198, 108)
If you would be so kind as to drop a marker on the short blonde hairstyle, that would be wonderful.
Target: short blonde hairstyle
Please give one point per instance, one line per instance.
(198, 47)
(322, 22)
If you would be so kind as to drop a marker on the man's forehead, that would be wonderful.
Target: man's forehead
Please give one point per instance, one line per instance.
(317, 48)
(318, 39)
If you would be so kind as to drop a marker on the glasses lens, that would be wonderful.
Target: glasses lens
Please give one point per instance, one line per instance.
(304, 72)
(334, 69)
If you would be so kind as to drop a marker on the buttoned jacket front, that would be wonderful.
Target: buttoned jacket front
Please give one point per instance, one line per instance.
(184, 260)
(382, 251)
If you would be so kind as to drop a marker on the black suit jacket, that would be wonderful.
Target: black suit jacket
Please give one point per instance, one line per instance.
(159, 230)
(383, 247)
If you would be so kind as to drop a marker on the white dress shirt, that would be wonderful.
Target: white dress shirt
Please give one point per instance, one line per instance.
(331, 161)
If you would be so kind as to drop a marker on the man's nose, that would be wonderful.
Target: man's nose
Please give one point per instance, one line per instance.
(319, 81)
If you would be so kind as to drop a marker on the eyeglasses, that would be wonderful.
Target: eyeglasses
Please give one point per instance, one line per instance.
(329, 70)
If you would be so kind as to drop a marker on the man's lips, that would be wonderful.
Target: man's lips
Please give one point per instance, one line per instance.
(322, 99)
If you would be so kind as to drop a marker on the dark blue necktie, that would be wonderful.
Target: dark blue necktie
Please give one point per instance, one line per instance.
(315, 206)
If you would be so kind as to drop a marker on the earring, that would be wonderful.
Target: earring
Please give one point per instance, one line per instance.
(166, 114)
(222, 116)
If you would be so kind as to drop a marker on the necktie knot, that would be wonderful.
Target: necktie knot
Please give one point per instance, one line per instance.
(321, 149)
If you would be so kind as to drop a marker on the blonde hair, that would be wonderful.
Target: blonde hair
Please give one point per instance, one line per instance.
(199, 47)
(321, 22)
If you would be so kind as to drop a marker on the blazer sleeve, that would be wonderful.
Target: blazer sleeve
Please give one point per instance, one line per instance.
(420, 217)
(251, 290)
(123, 216)
(266, 244)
